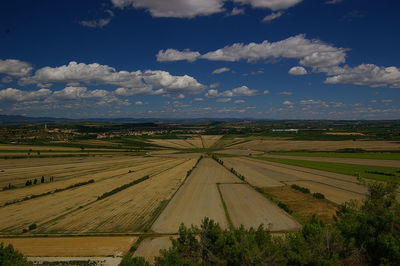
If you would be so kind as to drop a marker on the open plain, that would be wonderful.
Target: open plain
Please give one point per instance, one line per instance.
(96, 206)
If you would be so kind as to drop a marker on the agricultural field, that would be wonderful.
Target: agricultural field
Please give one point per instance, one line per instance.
(103, 205)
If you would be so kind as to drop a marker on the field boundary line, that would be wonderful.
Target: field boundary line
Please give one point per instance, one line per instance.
(228, 217)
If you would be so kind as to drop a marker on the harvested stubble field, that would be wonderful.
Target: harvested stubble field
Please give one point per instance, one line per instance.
(196, 199)
(47, 209)
(128, 210)
(307, 145)
(72, 246)
(210, 140)
(67, 174)
(249, 208)
(256, 174)
(336, 187)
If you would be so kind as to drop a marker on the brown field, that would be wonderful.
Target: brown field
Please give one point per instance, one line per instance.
(210, 140)
(72, 246)
(293, 145)
(304, 205)
(333, 194)
(375, 162)
(44, 210)
(249, 208)
(81, 173)
(336, 187)
(150, 247)
(139, 209)
(126, 211)
(256, 175)
(196, 199)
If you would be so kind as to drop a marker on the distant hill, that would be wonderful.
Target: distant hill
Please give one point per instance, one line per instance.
(19, 119)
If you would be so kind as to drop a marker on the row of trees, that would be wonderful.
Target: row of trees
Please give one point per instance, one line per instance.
(30, 182)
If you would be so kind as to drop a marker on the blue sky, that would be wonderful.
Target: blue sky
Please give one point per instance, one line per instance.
(279, 59)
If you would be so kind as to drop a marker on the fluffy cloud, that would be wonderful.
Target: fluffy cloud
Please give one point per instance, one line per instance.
(62, 97)
(286, 93)
(239, 101)
(266, 92)
(15, 67)
(171, 55)
(270, 4)
(287, 103)
(174, 8)
(16, 95)
(100, 23)
(149, 81)
(311, 52)
(272, 16)
(224, 100)
(76, 93)
(297, 70)
(333, 2)
(221, 70)
(367, 74)
(237, 92)
(191, 9)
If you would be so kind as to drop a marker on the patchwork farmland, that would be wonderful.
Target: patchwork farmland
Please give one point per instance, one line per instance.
(102, 205)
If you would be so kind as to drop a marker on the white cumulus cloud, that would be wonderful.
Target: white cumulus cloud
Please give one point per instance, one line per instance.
(221, 70)
(14, 67)
(171, 55)
(297, 70)
(272, 16)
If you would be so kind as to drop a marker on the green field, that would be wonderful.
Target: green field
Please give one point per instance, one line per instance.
(347, 169)
(357, 155)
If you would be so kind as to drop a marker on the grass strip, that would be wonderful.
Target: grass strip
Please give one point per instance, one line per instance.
(363, 171)
(228, 217)
(120, 188)
(338, 154)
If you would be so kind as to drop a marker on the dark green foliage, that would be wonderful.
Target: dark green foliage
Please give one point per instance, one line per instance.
(32, 227)
(8, 187)
(284, 207)
(366, 233)
(318, 195)
(118, 189)
(11, 257)
(299, 188)
(379, 173)
(42, 180)
(374, 227)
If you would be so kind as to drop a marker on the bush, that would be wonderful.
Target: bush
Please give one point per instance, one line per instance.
(11, 257)
(318, 195)
(284, 207)
(299, 188)
(32, 227)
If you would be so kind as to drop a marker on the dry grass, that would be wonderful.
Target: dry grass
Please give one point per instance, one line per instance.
(304, 205)
(72, 246)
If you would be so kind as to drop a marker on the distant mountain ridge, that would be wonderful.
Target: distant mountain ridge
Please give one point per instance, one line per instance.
(20, 119)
